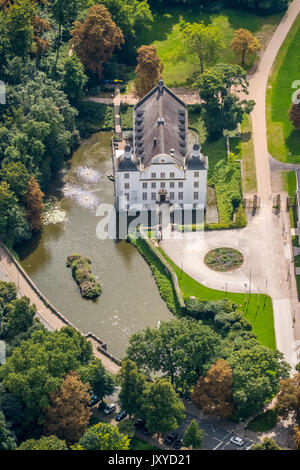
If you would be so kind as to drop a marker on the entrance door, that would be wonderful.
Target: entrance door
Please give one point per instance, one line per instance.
(162, 198)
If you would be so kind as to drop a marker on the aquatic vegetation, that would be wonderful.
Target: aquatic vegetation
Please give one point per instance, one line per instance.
(81, 271)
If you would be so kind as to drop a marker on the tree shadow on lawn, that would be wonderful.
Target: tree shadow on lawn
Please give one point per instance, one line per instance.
(293, 145)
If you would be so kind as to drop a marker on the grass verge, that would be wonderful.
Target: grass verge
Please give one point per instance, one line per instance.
(264, 422)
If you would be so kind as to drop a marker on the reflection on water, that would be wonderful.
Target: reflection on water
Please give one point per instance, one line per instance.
(130, 299)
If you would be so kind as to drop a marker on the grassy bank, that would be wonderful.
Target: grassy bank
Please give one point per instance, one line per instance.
(257, 309)
(283, 139)
(248, 156)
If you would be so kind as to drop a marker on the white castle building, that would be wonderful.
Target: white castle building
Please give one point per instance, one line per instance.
(159, 168)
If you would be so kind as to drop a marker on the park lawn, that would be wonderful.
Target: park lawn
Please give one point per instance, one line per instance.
(258, 309)
(290, 186)
(180, 65)
(283, 139)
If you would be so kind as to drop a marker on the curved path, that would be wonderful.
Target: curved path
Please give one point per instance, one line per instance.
(266, 242)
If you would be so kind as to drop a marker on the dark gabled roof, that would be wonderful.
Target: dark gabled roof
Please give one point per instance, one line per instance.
(160, 125)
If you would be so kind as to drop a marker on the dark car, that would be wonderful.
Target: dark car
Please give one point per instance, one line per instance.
(170, 438)
(139, 423)
(178, 444)
(121, 415)
(94, 400)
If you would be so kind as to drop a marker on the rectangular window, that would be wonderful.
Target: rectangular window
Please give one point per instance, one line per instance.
(196, 195)
(153, 196)
(172, 185)
(153, 175)
(172, 196)
(145, 185)
(172, 175)
(153, 185)
(180, 196)
(127, 196)
(196, 184)
(163, 175)
(144, 196)
(126, 185)
(196, 174)
(162, 185)
(180, 184)
(126, 176)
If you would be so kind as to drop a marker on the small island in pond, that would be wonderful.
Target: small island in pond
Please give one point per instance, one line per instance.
(81, 270)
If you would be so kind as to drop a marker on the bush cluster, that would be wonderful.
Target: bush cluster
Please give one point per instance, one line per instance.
(81, 270)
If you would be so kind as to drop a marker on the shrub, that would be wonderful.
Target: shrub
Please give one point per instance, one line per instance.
(81, 271)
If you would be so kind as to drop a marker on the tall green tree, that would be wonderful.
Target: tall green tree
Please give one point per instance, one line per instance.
(102, 436)
(193, 435)
(19, 21)
(219, 88)
(13, 222)
(17, 176)
(7, 438)
(162, 408)
(181, 349)
(65, 13)
(205, 41)
(100, 380)
(133, 384)
(19, 318)
(44, 443)
(74, 78)
(38, 365)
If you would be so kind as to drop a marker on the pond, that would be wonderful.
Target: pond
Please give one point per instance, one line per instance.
(130, 299)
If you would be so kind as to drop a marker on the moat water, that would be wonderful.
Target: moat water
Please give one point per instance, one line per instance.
(130, 299)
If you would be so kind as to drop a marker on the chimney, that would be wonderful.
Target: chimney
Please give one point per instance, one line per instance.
(127, 152)
(196, 151)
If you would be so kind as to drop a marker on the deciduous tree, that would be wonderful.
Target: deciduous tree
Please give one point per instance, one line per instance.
(213, 392)
(68, 416)
(133, 384)
(149, 70)
(193, 435)
(244, 42)
(162, 408)
(100, 380)
(19, 21)
(96, 38)
(288, 398)
(266, 444)
(102, 436)
(44, 443)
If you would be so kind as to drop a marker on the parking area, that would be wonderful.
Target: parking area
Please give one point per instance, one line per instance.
(215, 436)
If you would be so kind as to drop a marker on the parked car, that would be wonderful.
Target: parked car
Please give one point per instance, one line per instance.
(121, 415)
(109, 409)
(94, 400)
(170, 438)
(238, 441)
(139, 423)
(178, 444)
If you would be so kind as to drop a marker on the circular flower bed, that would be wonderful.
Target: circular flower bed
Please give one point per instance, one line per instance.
(224, 259)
